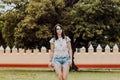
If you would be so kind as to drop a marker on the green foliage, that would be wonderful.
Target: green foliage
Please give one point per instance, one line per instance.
(10, 22)
(95, 19)
(43, 32)
(1, 26)
(30, 23)
(34, 28)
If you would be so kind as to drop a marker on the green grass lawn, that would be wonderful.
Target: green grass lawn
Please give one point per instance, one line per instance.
(49, 74)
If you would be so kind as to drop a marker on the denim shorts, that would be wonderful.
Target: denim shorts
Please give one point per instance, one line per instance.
(61, 61)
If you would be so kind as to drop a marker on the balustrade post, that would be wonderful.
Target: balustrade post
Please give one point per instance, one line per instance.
(115, 49)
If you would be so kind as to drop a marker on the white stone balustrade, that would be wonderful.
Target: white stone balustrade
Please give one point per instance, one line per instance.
(19, 56)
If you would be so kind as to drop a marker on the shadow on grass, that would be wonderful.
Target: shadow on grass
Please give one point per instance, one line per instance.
(99, 70)
(52, 70)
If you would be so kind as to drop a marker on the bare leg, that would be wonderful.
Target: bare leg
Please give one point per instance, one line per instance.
(65, 71)
(58, 70)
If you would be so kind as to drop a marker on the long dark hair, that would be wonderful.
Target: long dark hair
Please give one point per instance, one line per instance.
(55, 32)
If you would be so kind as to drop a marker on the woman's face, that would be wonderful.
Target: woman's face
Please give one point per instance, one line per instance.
(59, 30)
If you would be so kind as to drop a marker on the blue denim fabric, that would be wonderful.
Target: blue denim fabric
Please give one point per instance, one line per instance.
(61, 61)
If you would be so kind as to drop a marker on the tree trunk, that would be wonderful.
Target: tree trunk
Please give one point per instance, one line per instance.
(73, 67)
(70, 3)
(78, 43)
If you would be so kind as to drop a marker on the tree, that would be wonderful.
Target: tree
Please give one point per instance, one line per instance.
(11, 18)
(95, 20)
(37, 21)
(2, 41)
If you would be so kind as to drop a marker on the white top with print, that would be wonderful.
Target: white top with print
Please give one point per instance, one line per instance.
(60, 46)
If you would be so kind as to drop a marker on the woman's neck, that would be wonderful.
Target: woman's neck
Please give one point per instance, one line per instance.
(59, 36)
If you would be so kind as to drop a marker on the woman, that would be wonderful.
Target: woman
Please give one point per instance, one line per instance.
(61, 53)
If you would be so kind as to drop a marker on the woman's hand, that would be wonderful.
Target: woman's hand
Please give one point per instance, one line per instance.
(50, 64)
(70, 62)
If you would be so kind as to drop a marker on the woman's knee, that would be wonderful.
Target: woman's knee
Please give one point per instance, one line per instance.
(59, 75)
(64, 77)
(65, 74)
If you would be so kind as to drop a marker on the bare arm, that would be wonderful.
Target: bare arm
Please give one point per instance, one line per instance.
(69, 49)
(51, 51)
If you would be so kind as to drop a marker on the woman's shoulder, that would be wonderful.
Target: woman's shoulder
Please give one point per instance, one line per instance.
(67, 38)
(52, 40)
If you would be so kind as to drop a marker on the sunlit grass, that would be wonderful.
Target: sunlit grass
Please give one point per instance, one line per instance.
(49, 74)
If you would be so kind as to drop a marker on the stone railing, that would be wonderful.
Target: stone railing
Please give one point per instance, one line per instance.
(82, 59)
(23, 58)
(99, 59)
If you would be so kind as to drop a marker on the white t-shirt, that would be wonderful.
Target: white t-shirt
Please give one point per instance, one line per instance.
(60, 46)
